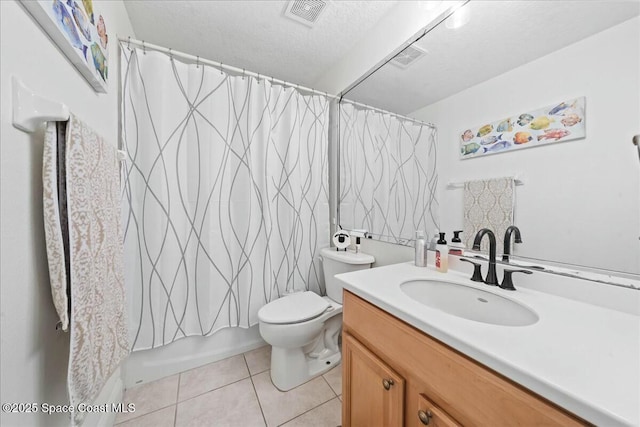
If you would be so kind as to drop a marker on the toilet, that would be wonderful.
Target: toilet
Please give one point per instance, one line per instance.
(303, 328)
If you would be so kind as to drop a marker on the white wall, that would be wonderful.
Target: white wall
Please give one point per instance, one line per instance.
(385, 253)
(581, 199)
(33, 354)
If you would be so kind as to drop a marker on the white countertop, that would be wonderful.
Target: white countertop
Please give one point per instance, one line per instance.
(583, 357)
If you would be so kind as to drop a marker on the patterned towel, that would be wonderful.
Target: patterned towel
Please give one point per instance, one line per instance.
(55, 218)
(488, 204)
(86, 257)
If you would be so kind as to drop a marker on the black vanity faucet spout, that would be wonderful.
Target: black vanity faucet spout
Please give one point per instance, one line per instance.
(507, 241)
(492, 278)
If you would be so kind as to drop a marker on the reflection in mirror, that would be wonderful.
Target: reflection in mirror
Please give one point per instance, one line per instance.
(387, 174)
(580, 202)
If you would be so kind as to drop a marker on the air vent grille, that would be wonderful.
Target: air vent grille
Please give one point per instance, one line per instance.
(408, 56)
(305, 11)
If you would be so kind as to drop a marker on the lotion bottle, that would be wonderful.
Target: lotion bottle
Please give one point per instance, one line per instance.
(421, 250)
(442, 255)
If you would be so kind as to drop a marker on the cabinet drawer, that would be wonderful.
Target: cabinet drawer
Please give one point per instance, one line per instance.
(429, 414)
(469, 392)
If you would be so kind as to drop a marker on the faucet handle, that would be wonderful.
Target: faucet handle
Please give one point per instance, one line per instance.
(477, 270)
(507, 281)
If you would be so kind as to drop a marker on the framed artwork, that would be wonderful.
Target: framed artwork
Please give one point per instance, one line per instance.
(80, 32)
(564, 121)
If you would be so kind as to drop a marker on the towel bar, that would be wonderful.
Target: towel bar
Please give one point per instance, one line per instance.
(454, 185)
(31, 110)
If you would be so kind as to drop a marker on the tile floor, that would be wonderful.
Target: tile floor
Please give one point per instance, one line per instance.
(234, 392)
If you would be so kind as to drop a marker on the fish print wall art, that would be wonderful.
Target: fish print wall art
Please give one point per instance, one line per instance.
(80, 31)
(563, 121)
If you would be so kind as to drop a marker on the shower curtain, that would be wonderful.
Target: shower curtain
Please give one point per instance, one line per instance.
(388, 176)
(225, 196)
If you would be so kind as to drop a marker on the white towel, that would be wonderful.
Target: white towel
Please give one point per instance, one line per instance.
(95, 271)
(488, 204)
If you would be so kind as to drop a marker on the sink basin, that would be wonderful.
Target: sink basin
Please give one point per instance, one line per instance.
(469, 303)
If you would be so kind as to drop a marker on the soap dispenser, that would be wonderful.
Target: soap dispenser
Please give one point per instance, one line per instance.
(456, 247)
(442, 255)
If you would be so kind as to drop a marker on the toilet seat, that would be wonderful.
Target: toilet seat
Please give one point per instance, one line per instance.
(295, 308)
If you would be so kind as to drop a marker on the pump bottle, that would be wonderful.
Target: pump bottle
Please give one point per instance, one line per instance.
(456, 247)
(442, 255)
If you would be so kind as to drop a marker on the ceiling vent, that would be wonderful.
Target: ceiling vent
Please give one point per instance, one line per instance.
(408, 56)
(305, 11)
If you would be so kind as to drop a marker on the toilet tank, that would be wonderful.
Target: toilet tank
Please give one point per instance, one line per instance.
(337, 262)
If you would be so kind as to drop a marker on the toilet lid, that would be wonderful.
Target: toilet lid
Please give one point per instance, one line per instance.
(293, 308)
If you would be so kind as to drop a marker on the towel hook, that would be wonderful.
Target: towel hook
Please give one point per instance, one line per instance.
(258, 78)
(144, 48)
(129, 43)
(221, 67)
(243, 74)
(198, 62)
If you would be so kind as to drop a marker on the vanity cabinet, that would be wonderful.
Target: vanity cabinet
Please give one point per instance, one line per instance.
(395, 375)
(379, 399)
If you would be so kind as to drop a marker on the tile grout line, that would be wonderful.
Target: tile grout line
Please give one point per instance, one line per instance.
(256, 392)
(175, 412)
(309, 410)
(155, 410)
(143, 415)
(209, 391)
(331, 388)
(175, 416)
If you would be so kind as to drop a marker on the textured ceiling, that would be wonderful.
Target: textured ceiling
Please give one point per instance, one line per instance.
(500, 36)
(255, 35)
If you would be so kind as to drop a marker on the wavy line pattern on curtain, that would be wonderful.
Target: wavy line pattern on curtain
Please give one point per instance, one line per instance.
(225, 196)
(388, 175)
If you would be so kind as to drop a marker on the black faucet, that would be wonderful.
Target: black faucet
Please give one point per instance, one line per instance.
(507, 241)
(492, 278)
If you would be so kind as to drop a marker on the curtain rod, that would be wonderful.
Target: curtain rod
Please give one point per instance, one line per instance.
(380, 110)
(128, 41)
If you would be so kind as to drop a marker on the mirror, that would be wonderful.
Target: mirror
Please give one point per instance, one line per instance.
(579, 202)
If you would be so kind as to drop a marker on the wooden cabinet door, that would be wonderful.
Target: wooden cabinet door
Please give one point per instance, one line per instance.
(372, 392)
(430, 414)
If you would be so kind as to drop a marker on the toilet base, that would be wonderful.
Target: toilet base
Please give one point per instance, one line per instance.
(290, 367)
